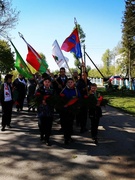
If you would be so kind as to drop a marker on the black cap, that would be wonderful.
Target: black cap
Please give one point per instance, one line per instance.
(47, 78)
(8, 76)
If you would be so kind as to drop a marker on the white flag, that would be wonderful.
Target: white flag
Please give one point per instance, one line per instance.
(65, 63)
(57, 54)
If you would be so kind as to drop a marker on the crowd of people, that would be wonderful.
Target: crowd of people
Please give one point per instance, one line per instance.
(75, 99)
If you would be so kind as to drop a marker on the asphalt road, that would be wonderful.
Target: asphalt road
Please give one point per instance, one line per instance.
(24, 157)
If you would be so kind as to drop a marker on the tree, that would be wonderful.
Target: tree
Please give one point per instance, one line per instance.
(8, 17)
(6, 57)
(119, 60)
(107, 59)
(128, 37)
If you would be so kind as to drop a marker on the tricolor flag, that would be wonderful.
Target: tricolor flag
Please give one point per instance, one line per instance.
(72, 44)
(21, 66)
(35, 60)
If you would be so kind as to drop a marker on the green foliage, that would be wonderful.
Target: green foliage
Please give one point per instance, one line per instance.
(6, 57)
(123, 99)
(107, 58)
(82, 35)
(128, 38)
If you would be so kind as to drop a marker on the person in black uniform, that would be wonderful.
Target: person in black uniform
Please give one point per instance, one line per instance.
(83, 84)
(61, 81)
(20, 88)
(31, 88)
(58, 85)
(45, 111)
(95, 111)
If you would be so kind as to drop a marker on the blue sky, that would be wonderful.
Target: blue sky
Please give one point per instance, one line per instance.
(43, 21)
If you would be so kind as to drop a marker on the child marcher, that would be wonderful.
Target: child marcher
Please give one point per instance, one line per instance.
(95, 111)
(45, 111)
(71, 93)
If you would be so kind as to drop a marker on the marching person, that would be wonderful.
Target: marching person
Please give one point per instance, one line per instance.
(6, 98)
(83, 84)
(45, 110)
(58, 85)
(95, 111)
(71, 93)
(20, 87)
(61, 80)
(31, 87)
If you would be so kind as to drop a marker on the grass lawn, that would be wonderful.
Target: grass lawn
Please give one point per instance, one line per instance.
(124, 100)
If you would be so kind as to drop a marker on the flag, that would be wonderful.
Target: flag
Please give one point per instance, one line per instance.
(65, 63)
(57, 54)
(35, 60)
(72, 44)
(21, 66)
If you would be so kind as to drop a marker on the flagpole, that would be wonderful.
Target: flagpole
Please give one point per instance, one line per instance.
(94, 65)
(64, 58)
(30, 47)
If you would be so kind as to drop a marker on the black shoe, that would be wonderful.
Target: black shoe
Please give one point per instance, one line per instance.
(83, 130)
(71, 140)
(42, 138)
(66, 142)
(95, 140)
(3, 129)
(61, 130)
(29, 110)
(47, 142)
(9, 126)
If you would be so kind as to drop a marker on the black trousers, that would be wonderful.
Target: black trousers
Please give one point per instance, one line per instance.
(45, 126)
(95, 115)
(6, 113)
(81, 117)
(94, 126)
(67, 123)
(20, 101)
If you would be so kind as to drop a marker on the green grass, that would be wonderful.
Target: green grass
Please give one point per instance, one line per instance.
(124, 100)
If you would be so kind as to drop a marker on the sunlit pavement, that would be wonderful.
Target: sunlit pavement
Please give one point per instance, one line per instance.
(24, 157)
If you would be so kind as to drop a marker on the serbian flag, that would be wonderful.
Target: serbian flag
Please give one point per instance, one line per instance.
(35, 60)
(72, 44)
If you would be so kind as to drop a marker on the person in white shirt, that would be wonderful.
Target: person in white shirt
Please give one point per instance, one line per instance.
(6, 98)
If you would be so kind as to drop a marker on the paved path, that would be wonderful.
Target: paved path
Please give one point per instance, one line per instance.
(24, 157)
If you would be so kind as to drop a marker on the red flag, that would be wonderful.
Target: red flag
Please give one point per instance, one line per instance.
(32, 58)
(35, 60)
